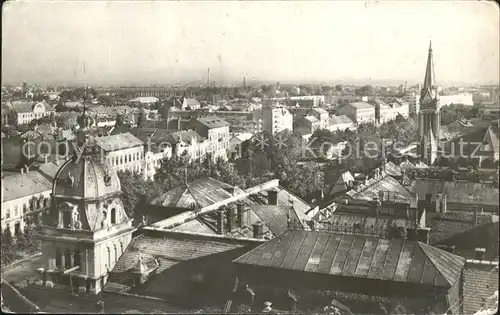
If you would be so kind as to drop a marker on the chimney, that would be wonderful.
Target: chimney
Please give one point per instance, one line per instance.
(28, 169)
(480, 253)
(220, 222)
(258, 229)
(22, 170)
(242, 216)
(438, 203)
(46, 158)
(423, 235)
(231, 217)
(272, 197)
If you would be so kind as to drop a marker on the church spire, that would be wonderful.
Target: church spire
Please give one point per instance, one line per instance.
(429, 81)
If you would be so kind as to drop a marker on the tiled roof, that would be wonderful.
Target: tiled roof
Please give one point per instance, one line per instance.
(311, 119)
(199, 194)
(392, 169)
(481, 236)
(49, 170)
(398, 192)
(342, 119)
(22, 107)
(118, 142)
(191, 102)
(181, 258)
(319, 110)
(185, 136)
(363, 224)
(480, 283)
(213, 122)
(357, 256)
(144, 99)
(457, 191)
(22, 185)
(446, 225)
(361, 105)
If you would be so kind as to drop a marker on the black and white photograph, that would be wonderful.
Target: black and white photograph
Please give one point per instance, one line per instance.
(250, 157)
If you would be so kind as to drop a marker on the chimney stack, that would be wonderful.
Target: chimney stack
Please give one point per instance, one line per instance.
(22, 170)
(242, 214)
(423, 235)
(220, 222)
(258, 229)
(272, 197)
(46, 158)
(231, 216)
(480, 253)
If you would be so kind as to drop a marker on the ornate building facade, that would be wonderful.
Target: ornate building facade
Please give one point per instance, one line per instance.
(87, 228)
(429, 116)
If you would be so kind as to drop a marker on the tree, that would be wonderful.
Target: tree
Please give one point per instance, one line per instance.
(365, 90)
(141, 119)
(7, 247)
(119, 120)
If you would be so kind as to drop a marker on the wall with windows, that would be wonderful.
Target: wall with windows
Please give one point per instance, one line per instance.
(131, 159)
(17, 213)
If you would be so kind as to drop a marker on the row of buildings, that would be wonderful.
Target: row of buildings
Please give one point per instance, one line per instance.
(389, 242)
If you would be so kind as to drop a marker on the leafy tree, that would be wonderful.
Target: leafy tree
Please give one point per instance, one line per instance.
(7, 247)
(141, 119)
(365, 90)
(119, 120)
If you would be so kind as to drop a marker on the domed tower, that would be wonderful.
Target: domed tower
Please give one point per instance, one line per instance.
(86, 229)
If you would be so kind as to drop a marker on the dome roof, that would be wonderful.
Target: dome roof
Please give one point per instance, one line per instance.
(85, 178)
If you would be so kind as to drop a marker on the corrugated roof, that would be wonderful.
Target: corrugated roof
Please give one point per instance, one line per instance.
(213, 122)
(118, 142)
(22, 185)
(457, 191)
(275, 217)
(357, 256)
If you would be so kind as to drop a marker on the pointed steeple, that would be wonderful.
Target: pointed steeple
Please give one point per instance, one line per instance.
(429, 70)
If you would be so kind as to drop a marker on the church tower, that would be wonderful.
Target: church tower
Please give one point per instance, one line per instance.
(86, 229)
(429, 117)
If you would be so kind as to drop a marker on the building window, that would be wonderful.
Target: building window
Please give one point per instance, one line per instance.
(58, 257)
(109, 257)
(17, 228)
(16, 212)
(45, 202)
(7, 214)
(78, 258)
(116, 253)
(113, 216)
(25, 209)
(67, 259)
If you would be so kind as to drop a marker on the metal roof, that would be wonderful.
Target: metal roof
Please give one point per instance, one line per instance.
(213, 122)
(357, 256)
(22, 185)
(199, 193)
(118, 142)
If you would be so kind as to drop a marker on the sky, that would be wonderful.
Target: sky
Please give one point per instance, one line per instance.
(164, 42)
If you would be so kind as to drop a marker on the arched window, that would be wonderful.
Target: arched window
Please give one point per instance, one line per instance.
(66, 219)
(113, 216)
